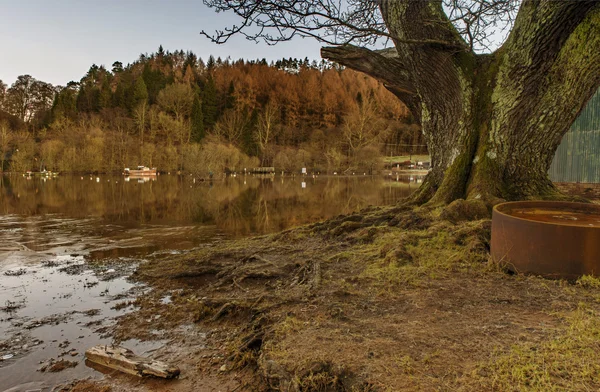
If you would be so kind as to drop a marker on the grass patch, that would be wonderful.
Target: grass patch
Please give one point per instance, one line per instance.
(288, 325)
(423, 255)
(569, 361)
(589, 282)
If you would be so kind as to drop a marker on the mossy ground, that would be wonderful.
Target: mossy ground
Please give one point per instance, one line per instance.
(386, 300)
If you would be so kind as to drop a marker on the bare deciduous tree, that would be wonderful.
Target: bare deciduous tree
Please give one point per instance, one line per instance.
(267, 127)
(176, 98)
(139, 115)
(362, 126)
(231, 125)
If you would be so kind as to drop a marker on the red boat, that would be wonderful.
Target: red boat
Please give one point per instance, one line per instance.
(140, 171)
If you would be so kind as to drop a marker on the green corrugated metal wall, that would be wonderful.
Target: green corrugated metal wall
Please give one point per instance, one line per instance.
(577, 159)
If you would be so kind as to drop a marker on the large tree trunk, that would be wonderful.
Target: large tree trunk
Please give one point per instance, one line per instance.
(491, 122)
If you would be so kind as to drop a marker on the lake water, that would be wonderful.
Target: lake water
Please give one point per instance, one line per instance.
(68, 244)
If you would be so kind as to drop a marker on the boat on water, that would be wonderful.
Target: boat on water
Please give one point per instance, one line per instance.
(140, 171)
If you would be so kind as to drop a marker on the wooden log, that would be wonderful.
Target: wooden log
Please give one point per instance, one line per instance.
(126, 361)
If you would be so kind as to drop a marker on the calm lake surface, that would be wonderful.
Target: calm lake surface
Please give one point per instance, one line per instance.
(68, 244)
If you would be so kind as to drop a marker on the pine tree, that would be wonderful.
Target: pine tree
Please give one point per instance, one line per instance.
(117, 67)
(230, 97)
(140, 93)
(118, 98)
(190, 60)
(209, 103)
(105, 97)
(248, 140)
(64, 104)
(88, 98)
(210, 65)
(197, 119)
(57, 110)
(155, 81)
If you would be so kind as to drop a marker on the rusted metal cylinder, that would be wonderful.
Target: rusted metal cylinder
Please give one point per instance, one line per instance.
(558, 240)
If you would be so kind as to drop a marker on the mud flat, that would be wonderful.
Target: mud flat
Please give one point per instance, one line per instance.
(53, 311)
(62, 289)
(388, 299)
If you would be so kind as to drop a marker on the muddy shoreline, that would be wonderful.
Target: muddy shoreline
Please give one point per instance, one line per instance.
(57, 309)
(70, 247)
(385, 299)
(388, 299)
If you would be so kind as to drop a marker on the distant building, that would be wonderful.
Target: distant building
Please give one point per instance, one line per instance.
(577, 159)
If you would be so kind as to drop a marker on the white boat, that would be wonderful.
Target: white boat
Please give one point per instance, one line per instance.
(140, 171)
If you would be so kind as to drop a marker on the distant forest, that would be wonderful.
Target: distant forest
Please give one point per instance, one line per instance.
(173, 111)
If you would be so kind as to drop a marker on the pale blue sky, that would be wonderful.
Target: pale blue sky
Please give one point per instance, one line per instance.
(57, 40)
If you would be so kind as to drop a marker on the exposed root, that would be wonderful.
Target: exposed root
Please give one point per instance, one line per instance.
(196, 273)
(308, 274)
(466, 210)
(321, 377)
(413, 220)
(224, 310)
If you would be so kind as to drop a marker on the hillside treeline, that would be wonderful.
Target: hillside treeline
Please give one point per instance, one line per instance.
(176, 112)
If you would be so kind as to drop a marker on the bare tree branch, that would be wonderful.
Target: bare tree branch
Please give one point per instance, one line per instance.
(481, 23)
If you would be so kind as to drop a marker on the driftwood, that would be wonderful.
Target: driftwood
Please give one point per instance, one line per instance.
(126, 361)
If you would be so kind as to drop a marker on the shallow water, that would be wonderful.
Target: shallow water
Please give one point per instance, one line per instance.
(67, 246)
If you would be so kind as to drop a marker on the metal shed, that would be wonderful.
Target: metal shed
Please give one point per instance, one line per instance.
(577, 159)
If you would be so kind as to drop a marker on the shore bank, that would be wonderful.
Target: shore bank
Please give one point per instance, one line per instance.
(388, 299)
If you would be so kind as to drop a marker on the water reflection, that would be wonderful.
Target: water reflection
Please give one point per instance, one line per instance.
(238, 206)
(67, 245)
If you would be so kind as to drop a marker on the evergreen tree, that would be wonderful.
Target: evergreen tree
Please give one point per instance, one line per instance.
(209, 103)
(248, 140)
(230, 97)
(129, 100)
(197, 120)
(210, 65)
(117, 67)
(155, 81)
(190, 60)
(105, 97)
(64, 104)
(118, 98)
(140, 92)
(80, 101)
(88, 99)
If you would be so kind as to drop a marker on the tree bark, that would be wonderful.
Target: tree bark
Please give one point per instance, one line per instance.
(492, 123)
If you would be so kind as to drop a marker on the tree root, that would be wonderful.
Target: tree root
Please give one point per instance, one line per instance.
(466, 210)
(196, 274)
